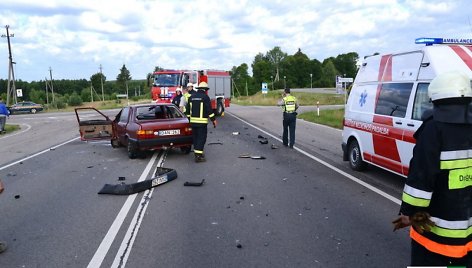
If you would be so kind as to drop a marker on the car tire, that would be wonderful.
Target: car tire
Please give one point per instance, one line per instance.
(186, 149)
(115, 143)
(33, 111)
(355, 156)
(132, 150)
(220, 108)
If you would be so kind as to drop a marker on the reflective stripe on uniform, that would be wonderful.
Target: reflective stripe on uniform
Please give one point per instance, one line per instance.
(416, 197)
(453, 229)
(459, 163)
(452, 155)
(201, 110)
(447, 250)
(199, 120)
(418, 202)
(417, 192)
(197, 151)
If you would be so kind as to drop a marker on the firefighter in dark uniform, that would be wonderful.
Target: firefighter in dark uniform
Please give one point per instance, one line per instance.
(199, 110)
(289, 105)
(437, 197)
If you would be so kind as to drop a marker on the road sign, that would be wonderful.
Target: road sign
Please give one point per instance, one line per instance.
(264, 88)
(345, 80)
(19, 93)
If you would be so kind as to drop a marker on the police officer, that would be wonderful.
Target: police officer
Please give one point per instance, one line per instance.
(199, 110)
(289, 105)
(437, 197)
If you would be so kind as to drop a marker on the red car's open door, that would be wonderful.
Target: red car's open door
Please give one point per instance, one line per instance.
(94, 125)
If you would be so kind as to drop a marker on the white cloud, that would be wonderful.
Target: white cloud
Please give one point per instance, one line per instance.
(75, 37)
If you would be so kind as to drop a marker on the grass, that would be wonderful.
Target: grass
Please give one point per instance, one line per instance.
(11, 128)
(304, 98)
(332, 118)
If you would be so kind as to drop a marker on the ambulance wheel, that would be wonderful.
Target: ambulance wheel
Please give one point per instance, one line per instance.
(220, 108)
(355, 157)
(132, 150)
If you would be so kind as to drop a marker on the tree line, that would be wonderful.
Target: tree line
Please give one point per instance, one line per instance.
(75, 92)
(281, 70)
(275, 67)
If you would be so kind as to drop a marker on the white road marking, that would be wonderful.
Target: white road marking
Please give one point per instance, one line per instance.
(28, 127)
(105, 245)
(345, 174)
(36, 154)
(121, 257)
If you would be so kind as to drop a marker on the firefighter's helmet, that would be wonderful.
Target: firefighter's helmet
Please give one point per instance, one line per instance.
(189, 85)
(203, 85)
(450, 85)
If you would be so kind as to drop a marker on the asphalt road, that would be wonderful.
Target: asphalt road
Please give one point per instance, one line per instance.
(296, 208)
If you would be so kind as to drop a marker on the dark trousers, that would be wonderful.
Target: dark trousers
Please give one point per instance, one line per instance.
(199, 132)
(290, 119)
(420, 256)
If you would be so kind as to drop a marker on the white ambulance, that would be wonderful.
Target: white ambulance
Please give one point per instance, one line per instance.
(388, 98)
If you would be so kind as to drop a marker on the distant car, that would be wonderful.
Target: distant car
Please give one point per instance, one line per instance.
(25, 107)
(138, 127)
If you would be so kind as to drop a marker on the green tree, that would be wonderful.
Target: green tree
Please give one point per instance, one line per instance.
(74, 99)
(275, 56)
(97, 80)
(240, 76)
(123, 77)
(261, 73)
(329, 73)
(346, 64)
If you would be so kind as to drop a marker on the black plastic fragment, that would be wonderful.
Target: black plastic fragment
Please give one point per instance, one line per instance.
(188, 183)
(215, 143)
(261, 137)
(263, 141)
(161, 176)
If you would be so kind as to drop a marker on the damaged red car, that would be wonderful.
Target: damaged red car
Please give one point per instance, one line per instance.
(138, 128)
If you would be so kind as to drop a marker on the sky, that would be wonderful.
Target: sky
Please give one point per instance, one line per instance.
(75, 38)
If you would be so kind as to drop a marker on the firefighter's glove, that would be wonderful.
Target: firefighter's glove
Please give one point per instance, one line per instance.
(214, 123)
(401, 222)
(421, 221)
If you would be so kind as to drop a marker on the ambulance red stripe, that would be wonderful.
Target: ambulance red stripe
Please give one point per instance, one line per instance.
(463, 55)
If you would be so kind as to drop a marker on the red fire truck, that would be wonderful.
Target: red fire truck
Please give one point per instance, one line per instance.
(219, 82)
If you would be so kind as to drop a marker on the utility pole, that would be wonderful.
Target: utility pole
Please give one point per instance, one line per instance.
(101, 82)
(11, 74)
(52, 87)
(47, 94)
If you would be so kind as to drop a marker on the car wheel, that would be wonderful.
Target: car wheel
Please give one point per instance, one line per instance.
(220, 108)
(33, 111)
(355, 157)
(115, 143)
(132, 150)
(186, 149)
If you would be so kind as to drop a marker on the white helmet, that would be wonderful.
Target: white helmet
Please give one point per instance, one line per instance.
(450, 85)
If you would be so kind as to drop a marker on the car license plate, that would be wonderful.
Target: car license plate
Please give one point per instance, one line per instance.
(168, 132)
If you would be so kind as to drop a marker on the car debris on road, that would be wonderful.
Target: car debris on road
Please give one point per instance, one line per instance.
(162, 176)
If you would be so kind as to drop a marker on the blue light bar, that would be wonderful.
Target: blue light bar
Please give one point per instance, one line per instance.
(430, 41)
